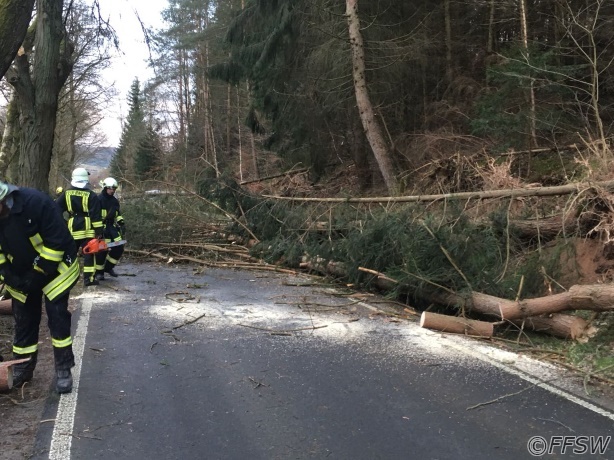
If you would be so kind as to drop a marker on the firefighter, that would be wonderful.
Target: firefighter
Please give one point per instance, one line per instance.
(38, 258)
(84, 219)
(114, 229)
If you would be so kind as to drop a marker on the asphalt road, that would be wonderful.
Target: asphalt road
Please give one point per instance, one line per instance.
(233, 365)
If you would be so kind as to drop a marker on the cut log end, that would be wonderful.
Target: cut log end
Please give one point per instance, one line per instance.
(6, 378)
(6, 307)
(6, 373)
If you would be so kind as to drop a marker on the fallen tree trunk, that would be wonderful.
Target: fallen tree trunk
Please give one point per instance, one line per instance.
(456, 325)
(595, 297)
(558, 325)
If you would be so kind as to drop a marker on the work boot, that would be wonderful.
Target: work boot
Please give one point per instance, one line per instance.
(21, 376)
(88, 282)
(111, 272)
(23, 372)
(100, 276)
(63, 383)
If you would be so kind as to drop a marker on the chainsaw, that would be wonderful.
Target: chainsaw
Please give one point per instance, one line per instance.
(95, 245)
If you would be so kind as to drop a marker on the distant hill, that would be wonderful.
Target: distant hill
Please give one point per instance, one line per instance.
(97, 162)
(100, 158)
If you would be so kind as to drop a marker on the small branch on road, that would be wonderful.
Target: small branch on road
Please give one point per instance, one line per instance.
(500, 398)
(282, 331)
(187, 323)
(258, 383)
(557, 422)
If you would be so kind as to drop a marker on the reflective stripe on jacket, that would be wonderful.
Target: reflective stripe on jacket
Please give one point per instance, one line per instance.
(34, 237)
(83, 208)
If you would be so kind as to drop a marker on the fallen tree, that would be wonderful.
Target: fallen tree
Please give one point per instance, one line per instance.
(538, 314)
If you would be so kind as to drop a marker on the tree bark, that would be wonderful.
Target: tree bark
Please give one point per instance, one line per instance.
(595, 297)
(15, 16)
(504, 193)
(557, 325)
(9, 147)
(456, 325)
(37, 93)
(365, 108)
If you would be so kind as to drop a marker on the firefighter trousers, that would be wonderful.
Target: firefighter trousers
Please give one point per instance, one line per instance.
(27, 322)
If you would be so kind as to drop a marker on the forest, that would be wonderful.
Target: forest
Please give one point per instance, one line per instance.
(443, 148)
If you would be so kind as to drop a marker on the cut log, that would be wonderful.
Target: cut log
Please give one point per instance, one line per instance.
(456, 325)
(595, 297)
(6, 373)
(6, 307)
(558, 325)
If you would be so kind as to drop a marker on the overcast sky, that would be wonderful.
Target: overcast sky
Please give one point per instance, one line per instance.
(131, 61)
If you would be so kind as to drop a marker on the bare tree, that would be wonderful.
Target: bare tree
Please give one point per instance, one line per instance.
(365, 108)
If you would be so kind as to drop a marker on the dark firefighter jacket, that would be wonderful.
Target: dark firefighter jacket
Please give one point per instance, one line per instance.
(34, 236)
(83, 209)
(111, 216)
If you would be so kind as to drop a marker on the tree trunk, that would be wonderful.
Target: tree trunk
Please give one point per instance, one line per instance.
(37, 93)
(557, 325)
(525, 44)
(595, 297)
(15, 16)
(456, 325)
(365, 108)
(9, 147)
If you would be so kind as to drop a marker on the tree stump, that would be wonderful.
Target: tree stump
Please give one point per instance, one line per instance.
(456, 325)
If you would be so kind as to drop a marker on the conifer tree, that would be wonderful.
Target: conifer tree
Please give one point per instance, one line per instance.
(134, 130)
(146, 160)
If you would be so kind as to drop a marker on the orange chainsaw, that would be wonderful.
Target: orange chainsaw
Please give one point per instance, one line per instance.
(95, 245)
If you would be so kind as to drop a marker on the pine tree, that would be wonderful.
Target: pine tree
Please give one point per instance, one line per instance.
(146, 160)
(134, 130)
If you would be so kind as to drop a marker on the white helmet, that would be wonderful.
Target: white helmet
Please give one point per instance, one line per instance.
(6, 189)
(109, 182)
(80, 178)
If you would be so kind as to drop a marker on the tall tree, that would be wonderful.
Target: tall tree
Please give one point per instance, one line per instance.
(367, 115)
(133, 133)
(147, 156)
(16, 16)
(37, 77)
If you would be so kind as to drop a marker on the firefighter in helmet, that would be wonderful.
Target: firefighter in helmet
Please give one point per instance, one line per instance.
(38, 258)
(84, 218)
(114, 229)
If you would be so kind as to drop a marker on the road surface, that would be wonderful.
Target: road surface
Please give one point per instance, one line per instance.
(178, 364)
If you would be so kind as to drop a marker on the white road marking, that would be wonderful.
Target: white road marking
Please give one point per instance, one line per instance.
(61, 439)
(534, 380)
